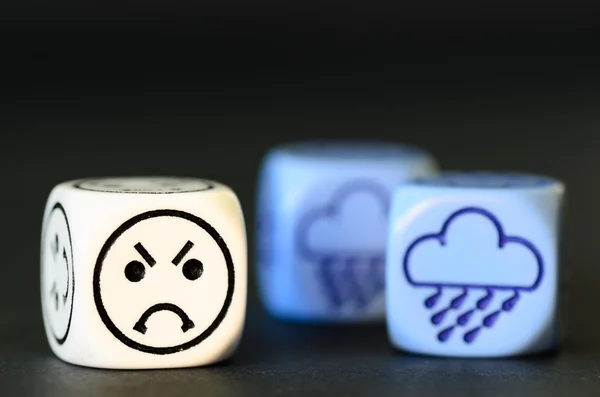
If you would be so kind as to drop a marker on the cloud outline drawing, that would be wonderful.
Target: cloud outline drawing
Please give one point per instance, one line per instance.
(332, 210)
(503, 241)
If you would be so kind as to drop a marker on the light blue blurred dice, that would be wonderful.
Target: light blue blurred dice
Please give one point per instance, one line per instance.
(322, 218)
(472, 264)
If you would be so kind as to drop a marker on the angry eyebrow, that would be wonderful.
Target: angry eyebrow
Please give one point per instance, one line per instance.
(186, 248)
(145, 254)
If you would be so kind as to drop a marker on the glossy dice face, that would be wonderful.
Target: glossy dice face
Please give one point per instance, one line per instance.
(472, 264)
(322, 223)
(160, 270)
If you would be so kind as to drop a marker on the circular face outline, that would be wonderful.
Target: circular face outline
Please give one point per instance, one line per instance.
(78, 185)
(106, 248)
(58, 206)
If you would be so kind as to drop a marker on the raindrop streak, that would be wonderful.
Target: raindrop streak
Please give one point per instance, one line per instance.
(508, 304)
(445, 334)
(332, 292)
(472, 334)
(458, 301)
(373, 283)
(350, 278)
(463, 319)
(433, 299)
(488, 321)
(376, 274)
(439, 317)
(485, 301)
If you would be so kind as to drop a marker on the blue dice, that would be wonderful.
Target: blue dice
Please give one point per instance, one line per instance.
(322, 218)
(472, 264)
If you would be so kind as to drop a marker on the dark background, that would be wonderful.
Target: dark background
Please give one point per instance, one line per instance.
(181, 88)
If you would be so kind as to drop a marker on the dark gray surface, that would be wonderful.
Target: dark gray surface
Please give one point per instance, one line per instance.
(75, 111)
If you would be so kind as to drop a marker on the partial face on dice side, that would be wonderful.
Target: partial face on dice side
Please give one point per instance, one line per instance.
(472, 268)
(162, 292)
(149, 185)
(57, 276)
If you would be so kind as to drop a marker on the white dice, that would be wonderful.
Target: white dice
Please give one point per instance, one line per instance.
(143, 272)
(472, 264)
(322, 221)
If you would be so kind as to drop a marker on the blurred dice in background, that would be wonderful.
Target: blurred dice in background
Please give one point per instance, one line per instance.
(322, 216)
(143, 272)
(472, 264)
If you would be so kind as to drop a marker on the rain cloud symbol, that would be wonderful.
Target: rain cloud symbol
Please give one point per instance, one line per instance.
(346, 240)
(448, 260)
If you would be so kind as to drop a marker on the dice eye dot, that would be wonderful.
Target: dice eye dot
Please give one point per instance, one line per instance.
(135, 271)
(192, 269)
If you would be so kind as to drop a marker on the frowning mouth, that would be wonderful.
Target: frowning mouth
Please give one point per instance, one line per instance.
(187, 324)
